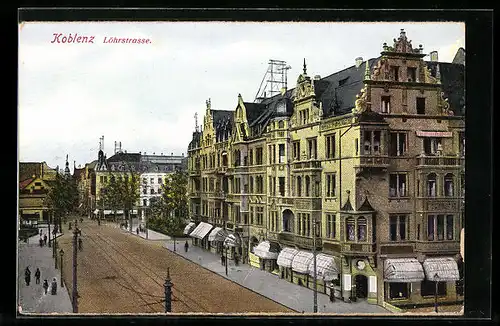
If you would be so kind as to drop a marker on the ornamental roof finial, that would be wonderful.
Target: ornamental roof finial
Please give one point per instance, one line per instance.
(305, 67)
(367, 70)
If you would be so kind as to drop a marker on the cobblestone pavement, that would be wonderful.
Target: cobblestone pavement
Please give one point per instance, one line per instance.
(121, 273)
(32, 298)
(291, 295)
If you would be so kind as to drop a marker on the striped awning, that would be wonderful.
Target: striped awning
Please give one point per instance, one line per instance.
(285, 257)
(267, 250)
(403, 270)
(201, 230)
(232, 240)
(442, 269)
(213, 233)
(326, 268)
(301, 261)
(189, 228)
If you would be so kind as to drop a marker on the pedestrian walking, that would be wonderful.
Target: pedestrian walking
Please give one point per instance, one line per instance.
(40, 232)
(332, 294)
(80, 244)
(27, 275)
(236, 259)
(186, 246)
(41, 242)
(53, 288)
(137, 231)
(45, 286)
(37, 276)
(45, 239)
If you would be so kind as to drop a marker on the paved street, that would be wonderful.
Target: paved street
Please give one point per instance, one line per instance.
(291, 295)
(119, 272)
(32, 298)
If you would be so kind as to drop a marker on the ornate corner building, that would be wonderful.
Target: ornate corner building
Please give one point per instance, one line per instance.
(371, 157)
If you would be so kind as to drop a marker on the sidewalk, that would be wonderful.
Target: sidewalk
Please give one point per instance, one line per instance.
(269, 285)
(32, 298)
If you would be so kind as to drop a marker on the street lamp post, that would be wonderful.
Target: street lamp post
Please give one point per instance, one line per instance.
(436, 282)
(225, 259)
(54, 252)
(315, 286)
(75, 255)
(62, 254)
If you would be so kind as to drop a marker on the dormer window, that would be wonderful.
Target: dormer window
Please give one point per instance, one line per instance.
(281, 107)
(343, 81)
(395, 73)
(386, 104)
(411, 74)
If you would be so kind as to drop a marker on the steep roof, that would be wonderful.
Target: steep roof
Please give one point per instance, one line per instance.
(26, 182)
(453, 82)
(254, 110)
(125, 157)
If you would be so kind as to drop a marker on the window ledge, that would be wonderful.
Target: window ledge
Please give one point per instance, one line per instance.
(399, 198)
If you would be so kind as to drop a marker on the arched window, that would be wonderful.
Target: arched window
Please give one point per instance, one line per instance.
(299, 186)
(308, 186)
(431, 185)
(281, 124)
(349, 229)
(448, 185)
(361, 229)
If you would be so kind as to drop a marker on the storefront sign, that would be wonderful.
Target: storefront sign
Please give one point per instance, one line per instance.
(347, 282)
(254, 260)
(372, 284)
(434, 133)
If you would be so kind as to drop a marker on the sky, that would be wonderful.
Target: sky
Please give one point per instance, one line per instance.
(146, 95)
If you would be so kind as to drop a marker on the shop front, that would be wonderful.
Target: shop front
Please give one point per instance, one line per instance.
(284, 261)
(327, 273)
(200, 233)
(267, 253)
(401, 277)
(216, 239)
(300, 267)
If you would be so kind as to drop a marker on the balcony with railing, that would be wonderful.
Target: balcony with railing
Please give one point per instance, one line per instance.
(292, 239)
(222, 195)
(307, 165)
(440, 161)
(380, 161)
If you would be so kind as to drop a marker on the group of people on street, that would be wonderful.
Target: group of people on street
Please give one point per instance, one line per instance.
(27, 279)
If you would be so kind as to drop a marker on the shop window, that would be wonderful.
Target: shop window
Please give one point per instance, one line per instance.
(428, 288)
(420, 105)
(386, 104)
(361, 229)
(448, 185)
(411, 74)
(398, 290)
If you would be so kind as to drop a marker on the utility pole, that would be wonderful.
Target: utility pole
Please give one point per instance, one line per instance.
(225, 259)
(168, 292)
(75, 264)
(315, 286)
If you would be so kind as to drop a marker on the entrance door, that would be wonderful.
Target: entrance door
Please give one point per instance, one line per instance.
(361, 286)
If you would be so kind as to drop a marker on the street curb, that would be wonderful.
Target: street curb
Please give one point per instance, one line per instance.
(224, 276)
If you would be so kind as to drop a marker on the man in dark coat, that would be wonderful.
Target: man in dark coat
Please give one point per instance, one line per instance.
(186, 246)
(27, 275)
(37, 276)
(45, 239)
(45, 286)
(80, 244)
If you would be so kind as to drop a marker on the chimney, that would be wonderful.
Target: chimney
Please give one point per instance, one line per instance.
(161, 154)
(317, 77)
(359, 61)
(434, 56)
(171, 154)
(182, 154)
(154, 153)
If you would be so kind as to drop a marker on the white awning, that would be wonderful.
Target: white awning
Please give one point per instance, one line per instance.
(442, 269)
(266, 250)
(107, 212)
(285, 257)
(134, 211)
(443, 134)
(326, 268)
(213, 233)
(232, 240)
(201, 230)
(119, 211)
(96, 211)
(301, 261)
(403, 270)
(189, 228)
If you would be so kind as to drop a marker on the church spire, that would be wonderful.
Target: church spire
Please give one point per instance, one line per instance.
(66, 170)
